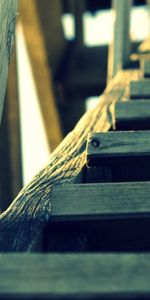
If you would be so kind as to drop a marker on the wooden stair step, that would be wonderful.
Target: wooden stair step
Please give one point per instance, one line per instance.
(74, 276)
(133, 115)
(99, 217)
(145, 67)
(117, 144)
(140, 88)
(100, 201)
(118, 156)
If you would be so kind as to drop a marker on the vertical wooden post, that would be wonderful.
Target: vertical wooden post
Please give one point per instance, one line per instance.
(120, 49)
(78, 7)
(14, 143)
(8, 12)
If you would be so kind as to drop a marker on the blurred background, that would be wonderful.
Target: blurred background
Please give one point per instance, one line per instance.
(58, 71)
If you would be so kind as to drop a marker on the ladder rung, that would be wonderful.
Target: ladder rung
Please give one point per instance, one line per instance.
(112, 145)
(133, 115)
(118, 156)
(140, 88)
(99, 217)
(133, 110)
(101, 201)
(97, 276)
(145, 66)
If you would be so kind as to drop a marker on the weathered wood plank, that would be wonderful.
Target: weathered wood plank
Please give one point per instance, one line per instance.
(99, 217)
(21, 224)
(118, 156)
(115, 144)
(140, 89)
(133, 115)
(132, 110)
(8, 12)
(120, 49)
(145, 67)
(98, 276)
(100, 201)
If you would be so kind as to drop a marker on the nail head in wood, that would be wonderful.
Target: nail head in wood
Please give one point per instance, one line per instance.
(95, 143)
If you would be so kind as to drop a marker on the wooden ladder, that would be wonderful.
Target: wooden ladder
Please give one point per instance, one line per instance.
(96, 244)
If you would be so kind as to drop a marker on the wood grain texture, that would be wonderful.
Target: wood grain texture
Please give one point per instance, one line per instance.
(8, 12)
(30, 211)
(115, 144)
(100, 201)
(98, 276)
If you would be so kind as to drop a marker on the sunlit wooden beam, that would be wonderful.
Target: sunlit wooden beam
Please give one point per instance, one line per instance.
(30, 20)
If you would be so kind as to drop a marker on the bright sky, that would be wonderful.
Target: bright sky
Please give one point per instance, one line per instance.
(99, 27)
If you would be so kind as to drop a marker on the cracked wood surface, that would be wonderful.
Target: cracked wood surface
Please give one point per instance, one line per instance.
(8, 12)
(23, 221)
